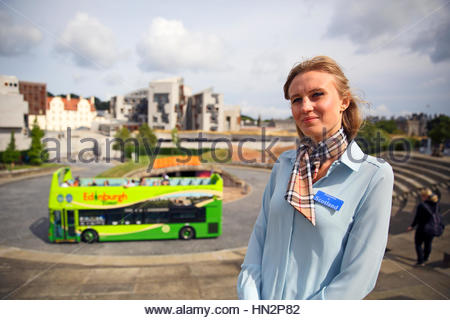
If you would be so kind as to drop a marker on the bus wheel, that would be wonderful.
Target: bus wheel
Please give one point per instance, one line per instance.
(89, 236)
(187, 233)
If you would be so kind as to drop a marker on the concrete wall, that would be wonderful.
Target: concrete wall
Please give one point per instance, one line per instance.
(13, 109)
(232, 118)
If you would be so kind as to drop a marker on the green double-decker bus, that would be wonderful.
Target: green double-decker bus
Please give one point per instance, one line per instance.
(112, 209)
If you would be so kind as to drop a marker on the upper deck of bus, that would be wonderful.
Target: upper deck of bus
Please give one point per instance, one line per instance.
(117, 193)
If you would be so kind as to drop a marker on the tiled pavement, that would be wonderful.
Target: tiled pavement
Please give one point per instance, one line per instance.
(27, 274)
(207, 276)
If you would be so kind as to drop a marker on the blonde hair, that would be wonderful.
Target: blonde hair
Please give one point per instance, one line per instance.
(351, 118)
(429, 195)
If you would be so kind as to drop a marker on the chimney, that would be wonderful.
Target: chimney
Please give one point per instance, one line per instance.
(68, 97)
(92, 100)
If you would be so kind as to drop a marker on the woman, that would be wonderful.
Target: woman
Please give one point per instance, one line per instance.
(322, 229)
(423, 220)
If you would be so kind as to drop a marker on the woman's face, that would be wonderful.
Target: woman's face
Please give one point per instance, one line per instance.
(316, 104)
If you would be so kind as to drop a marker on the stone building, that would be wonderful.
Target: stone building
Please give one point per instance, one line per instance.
(414, 125)
(62, 113)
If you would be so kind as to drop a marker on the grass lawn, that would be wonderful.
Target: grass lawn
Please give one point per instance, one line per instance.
(120, 170)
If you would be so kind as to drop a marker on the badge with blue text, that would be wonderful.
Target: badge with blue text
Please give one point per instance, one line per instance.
(328, 200)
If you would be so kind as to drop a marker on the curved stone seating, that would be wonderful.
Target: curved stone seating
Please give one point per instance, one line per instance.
(418, 172)
(409, 185)
(433, 173)
(436, 167)
(399, 187)
(420, 178)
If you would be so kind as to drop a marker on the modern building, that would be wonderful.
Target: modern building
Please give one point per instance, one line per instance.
(14, 110)
(167, 100)
(120, 110)
(205, 111)
(232, 118)
(35, 94)
(62, 113)
(172, 105)
(130, 107)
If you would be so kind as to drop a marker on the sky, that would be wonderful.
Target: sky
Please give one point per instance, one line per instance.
(395, 53)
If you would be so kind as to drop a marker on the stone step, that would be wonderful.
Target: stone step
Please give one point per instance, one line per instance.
(444, 161)
(400, 187)
(424, 163)
(413, 174)
(419, 168)
(411, 184)
(400, 157)
(439, 160)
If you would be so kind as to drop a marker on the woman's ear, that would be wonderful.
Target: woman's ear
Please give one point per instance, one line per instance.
(345, 103)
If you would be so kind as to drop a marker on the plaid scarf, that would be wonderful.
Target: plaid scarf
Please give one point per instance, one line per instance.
(310, 156)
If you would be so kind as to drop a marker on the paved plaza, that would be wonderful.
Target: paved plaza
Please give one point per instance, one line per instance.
(79, 272)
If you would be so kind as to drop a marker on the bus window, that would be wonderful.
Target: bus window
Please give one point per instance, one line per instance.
(71, 223)
(192, 214)
(128, 218)
(156, 217)
(139, 218)
(58, 227)
(91, 218)
(113, 218)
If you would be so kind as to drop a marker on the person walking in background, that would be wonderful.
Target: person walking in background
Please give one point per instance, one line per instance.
(424, 222)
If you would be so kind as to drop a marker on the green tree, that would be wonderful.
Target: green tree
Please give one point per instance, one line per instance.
(372, 139)
(439, 129)
(245, 117)
(11, 154)
(146, 136)
(388, 125)
(101, 105)
(124, 142)
(37, 153)
(175, 136)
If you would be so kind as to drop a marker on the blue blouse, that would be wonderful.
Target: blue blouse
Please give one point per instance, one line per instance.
(340, 257)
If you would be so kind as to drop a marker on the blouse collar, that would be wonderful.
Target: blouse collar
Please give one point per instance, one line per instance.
(352, 157)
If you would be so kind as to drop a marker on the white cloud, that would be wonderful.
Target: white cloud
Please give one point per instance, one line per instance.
(168, 46)
(268, 62)
(420, 26)
(88, 42)
(405, 113)
(16, 39)
(434, 82)
(114, 79)
(379, 111)
(79, 78)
